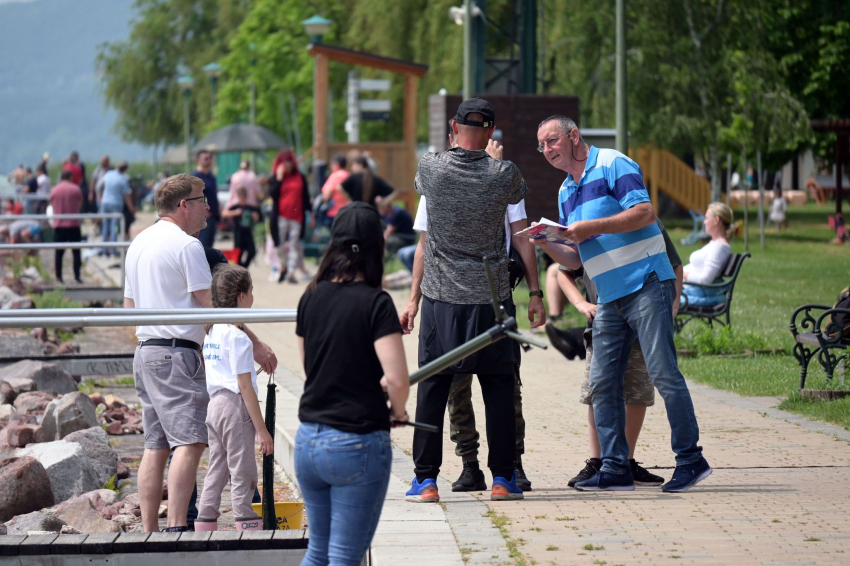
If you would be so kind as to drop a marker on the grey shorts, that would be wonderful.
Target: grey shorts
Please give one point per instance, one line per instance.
(172, 387)
(637, 386)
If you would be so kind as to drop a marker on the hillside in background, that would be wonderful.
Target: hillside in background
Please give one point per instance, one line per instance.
(49, 94)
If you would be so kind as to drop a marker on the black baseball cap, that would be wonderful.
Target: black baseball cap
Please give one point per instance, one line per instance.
(480, 106)
(357, 224)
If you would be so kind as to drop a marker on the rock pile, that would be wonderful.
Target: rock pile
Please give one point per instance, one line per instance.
(116, 417)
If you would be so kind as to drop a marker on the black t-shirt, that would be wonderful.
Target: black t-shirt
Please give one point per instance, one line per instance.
(401, 220)
(246, 219)
(339, 323)
(32, 186)
(353, 185)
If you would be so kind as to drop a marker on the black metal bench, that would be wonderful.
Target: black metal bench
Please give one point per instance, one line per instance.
(820, 337)
(719, 311)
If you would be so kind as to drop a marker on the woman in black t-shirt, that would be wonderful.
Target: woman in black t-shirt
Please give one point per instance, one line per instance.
(363, 185)
(349, 336)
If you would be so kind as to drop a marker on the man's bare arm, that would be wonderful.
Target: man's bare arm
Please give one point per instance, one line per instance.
(409, 313)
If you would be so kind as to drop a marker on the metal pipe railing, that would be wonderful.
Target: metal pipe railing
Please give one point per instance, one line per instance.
(201, 316)
(93, 311)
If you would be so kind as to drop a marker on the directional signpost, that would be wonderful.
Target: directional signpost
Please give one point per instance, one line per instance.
(364, 109)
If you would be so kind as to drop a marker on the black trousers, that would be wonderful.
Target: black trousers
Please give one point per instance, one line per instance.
(431, 399)
(68, 235)
(244, 240)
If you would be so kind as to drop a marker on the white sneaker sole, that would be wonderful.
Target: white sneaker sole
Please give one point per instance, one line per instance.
(418, 499)
(701, 477)
(612, 488)
(509, 497)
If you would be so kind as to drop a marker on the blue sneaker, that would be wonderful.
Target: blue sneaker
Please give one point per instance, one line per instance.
(605, 481)
(687, 476)
(425, 492)
(504, 490)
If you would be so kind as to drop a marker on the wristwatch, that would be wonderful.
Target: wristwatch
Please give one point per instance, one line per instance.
(537, 293)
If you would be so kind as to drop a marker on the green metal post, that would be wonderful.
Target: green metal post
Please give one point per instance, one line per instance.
(528, 47)
(622, 97)
(467, 49)
(186, 131)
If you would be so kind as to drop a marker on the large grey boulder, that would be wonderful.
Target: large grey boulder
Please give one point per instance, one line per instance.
(37, 521)
(33, 401)
(103, 458)
(67, 465)
(20, 346)
(47, 377)
(24, 487)
(74, 412)
(81, 514)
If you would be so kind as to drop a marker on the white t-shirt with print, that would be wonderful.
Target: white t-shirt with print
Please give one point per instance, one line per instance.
(228, 352)
(165, 265)
(515, 212)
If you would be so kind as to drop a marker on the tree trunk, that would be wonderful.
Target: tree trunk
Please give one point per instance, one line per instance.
(714, 171)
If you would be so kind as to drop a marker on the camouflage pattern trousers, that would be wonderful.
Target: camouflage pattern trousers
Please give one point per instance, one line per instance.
(462, 418)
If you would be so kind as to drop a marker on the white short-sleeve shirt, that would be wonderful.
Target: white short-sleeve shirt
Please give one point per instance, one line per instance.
(228, 352)
(515, 212)
(165, 265)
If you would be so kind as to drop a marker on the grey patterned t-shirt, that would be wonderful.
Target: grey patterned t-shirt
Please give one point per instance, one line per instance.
(468, 195)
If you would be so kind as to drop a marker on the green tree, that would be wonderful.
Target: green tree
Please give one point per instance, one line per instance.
(169, 38)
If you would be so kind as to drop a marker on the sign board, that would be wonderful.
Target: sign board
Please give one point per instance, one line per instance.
(375, 105)
(374, 115)
(374, 84)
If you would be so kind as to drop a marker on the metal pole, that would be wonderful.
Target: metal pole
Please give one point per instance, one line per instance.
(213, 96)
(296, 128)
(252, 118)
(62, 246)
(746, 185)
(47, 218)
(622, 95)
(352, 127)
(728, 176)
(433, 368)
(186, 130)
(105, 312)
(761, 199)
(283, 315)
(467, 49)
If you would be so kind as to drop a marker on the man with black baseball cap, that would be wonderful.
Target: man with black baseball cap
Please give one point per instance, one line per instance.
(468, 193)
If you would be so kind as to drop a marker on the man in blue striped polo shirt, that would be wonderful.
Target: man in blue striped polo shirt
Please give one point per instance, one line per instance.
(606, 208)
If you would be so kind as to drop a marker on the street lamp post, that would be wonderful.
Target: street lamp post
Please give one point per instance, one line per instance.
(622, 98)
(186, 83)
(252, 115)
(212, 71)
(316, 27)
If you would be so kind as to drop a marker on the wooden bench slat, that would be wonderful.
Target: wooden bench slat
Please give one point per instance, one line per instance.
(162, 542)
(9, 544)
(224, 540)
(288, 539)
(194, 541)
(68, 544)
(128, 543)
(36, 544)
(98, 543)
(256, 540)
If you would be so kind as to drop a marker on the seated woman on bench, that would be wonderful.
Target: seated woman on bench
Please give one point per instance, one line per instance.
(707, 264)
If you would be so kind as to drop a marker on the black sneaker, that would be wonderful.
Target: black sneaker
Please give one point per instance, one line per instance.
(471, 479)
(522, 481)
(642, 476)
(593, 466)
(688, 475)
(282, 276)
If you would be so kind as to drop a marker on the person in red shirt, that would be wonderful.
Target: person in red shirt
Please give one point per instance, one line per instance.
(67, 198)
(291, 201)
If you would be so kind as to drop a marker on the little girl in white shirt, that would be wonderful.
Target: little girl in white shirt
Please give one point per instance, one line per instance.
(234, 417)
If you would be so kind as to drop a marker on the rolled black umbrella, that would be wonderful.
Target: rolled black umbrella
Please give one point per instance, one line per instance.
(269, 517)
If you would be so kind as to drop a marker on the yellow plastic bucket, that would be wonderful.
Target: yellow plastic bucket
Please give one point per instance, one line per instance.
(289, 515)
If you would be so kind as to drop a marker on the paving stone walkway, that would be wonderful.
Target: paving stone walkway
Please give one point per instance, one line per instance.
(778, 494)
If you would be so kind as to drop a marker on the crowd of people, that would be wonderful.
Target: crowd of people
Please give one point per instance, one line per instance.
(198, 385)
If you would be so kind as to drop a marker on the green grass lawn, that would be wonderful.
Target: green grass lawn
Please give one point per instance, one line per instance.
(797, 266)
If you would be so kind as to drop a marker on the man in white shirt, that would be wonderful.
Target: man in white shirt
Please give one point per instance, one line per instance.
(167, 269)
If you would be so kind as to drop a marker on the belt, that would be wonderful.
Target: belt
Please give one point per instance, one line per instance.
(171, 342)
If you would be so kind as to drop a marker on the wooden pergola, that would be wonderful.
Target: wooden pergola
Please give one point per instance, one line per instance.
(399, 159)
(841, 128)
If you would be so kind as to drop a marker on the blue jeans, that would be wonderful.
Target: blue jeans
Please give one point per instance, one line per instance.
(110, 225)
(405, 256)
(343, 477)
(645, 315)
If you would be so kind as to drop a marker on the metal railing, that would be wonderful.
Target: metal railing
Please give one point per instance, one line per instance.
(140, 317)
(93, 311)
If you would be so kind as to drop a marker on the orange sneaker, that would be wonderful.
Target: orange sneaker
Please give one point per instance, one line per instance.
(425, 492)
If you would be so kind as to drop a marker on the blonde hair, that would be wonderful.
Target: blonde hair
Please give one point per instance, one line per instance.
(724, 213)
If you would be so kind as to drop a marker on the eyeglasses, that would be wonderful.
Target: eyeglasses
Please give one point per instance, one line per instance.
(197, 198)
(550, 142)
